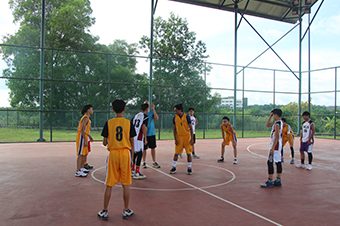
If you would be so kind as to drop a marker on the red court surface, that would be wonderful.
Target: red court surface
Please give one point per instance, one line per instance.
(38, 187)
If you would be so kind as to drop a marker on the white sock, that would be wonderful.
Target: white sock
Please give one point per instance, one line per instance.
(189, 164)
(174, 163)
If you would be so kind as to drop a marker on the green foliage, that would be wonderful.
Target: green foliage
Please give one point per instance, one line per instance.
(179, 66)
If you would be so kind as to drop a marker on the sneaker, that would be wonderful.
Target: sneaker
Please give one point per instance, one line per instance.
(195, 156)
(282, 160)
(302, 166)
(156, 165)
(309, 167)
(235, 162)
(127, 213)
(220, 160)
(103, 214)
(277, 183)
(84, 170)
(144, 165)
(180, 155)
(88, 167)
(292, 161)
(268, 184)
(139, 176)
(189, 171)
(133, 173)
(173, 170)
(80, 174)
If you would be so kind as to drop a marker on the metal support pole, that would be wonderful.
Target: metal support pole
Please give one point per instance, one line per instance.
(335, 100)
(108, 87)
(153, 8)
(243, 102)
(235, 62)
(309, 68)
(300, 68)
(205, 93)
(41, 81)
(274, 88)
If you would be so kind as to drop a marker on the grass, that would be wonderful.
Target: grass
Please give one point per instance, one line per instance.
(31, 135)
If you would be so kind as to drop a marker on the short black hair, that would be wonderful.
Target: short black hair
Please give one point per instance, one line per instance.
(284, 120)
(306, 113)
(191, 109)
(226, 118)
(179, 107)
(144, 106)
(277, 112)
(118, 105)
(86, 108)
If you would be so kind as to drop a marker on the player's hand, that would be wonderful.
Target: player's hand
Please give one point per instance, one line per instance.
(153, 107)
(145, 142)
(86, 144)
(270, 157)
(192, 141)
(91, 139)
(271, 114)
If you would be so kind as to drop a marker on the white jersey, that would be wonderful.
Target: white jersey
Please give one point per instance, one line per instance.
(306, 130)
(138, 122)
(193, 123)
(278, 147)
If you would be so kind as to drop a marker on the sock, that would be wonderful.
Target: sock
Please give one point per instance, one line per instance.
(292, 152)
(133, 167)
(189, 164)
(174, 163)
(310, 158)
(137, 169)
(302, 161)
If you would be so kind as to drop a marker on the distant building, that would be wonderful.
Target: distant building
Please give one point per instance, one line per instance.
(229, 102)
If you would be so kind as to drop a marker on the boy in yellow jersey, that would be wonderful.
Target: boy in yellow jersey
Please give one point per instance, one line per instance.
(287, 136)
(228, 135)
(118, 134)
(183, 135)
(83, 140)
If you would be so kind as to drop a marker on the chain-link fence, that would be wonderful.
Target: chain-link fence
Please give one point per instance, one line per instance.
(75, 78)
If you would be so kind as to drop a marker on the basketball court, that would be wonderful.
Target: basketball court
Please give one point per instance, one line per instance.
(38, 187)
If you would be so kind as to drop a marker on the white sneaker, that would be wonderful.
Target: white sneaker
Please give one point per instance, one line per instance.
(133, 173)
(139, 176)
(84, 170)
(103, 214)
(302, 166)
(235, 162)
(80, 174)
(309, 167)
(127, 213)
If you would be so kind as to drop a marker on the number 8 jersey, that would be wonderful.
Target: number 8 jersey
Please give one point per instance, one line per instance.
(118, 132)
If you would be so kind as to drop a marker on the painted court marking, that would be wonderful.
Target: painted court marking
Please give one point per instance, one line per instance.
(193, 187)
(174, 189)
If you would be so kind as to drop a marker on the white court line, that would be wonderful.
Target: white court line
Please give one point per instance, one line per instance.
(219, 198)
(174, 189)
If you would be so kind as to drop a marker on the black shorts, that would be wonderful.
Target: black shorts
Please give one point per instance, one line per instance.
(194, 137)
(151, 142)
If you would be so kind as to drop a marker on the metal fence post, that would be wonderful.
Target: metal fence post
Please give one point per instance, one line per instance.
(335, 100)
(243, 102)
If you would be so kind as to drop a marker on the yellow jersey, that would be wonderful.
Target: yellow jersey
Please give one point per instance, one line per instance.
(80, 127)
(182, 125)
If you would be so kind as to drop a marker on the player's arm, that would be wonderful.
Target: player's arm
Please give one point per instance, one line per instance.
(312, 132)
(155, 115)
(276, 138)
(269, 122)
(145, 130)
(132, 135)
(191, 130)
(223, 134)
(105, 134)
(83, 129)
(196, 121)
(174, 131)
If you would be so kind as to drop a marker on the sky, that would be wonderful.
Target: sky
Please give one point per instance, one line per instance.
(130, 20)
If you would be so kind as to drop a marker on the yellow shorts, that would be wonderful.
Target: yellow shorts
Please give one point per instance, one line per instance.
(118, 168)
(229, 138)
(183, 143)
(81, 149)
(289, 139)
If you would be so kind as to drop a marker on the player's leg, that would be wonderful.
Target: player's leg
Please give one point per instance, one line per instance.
(127, 212)
(178, 150)
(144, 156)
(303, 148)
(194, 154)
(291, 145)
(125, 175)
(223, 144)
(139, 174)
(152, 145)
(188, 150)
(310, 157)
(270, 164)
(86, 164)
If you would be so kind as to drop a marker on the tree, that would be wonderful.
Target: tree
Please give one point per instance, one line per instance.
(179, 66)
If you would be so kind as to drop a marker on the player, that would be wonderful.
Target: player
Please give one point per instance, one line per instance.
(140, 122)
(275, 122)
(194, 123)
(118, 136)
(151, 137)
(183, 135)
(287, 136)
(306, 141)
(83, 140)
(228, 135)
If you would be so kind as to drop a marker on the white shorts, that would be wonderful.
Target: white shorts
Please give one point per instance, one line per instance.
(277, 156)
(138, 145)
